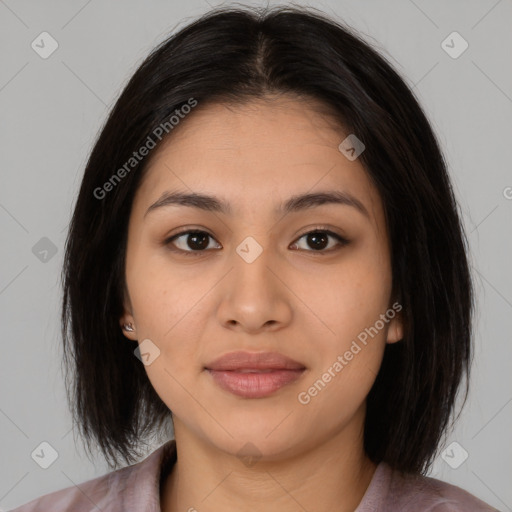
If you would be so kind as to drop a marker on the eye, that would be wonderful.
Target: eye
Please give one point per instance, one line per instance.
(319, 239)
(197, 241)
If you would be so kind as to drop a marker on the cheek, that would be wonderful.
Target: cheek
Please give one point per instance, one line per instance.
(348, 298)
(349, 353)
(351, 335)
(159, 295)
(169, 314)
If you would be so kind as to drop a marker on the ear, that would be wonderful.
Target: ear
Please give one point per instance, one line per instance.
(395, 328)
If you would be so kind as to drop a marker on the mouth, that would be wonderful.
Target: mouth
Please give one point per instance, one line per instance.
(254, 375)
(254, 383)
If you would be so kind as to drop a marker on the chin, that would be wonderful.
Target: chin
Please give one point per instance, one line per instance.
(264, 439)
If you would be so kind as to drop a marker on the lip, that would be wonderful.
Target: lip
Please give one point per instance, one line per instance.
(254, 375)
(254, 361)
(257, 384)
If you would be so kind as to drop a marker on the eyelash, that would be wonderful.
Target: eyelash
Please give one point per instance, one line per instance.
(342, 242)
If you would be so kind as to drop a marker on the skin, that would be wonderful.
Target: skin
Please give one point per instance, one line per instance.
(291, 299)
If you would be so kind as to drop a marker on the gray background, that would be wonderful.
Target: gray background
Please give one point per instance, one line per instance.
(51, 110)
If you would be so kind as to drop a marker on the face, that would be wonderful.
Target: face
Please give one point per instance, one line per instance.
(311, 282)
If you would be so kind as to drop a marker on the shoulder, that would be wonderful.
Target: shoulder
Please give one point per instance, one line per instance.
(421, 493)
(81, 497)
(126, 489)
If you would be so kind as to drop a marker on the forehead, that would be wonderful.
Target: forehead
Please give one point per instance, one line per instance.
(256, 155)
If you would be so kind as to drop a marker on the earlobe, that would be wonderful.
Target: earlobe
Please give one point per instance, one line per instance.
(127, 322)
(128, 326)
(395, 330)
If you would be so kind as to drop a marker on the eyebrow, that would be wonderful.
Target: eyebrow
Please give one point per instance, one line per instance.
(293, 204)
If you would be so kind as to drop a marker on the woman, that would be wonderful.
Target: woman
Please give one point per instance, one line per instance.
(266, 256)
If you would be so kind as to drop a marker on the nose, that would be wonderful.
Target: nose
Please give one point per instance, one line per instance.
(254, 295)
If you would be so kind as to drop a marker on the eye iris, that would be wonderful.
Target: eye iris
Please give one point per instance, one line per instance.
(320, 240)
(203, 241)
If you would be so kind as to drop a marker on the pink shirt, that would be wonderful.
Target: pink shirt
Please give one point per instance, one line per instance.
(136, 488)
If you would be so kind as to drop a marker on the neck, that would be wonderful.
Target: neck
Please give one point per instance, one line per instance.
(332, 475)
